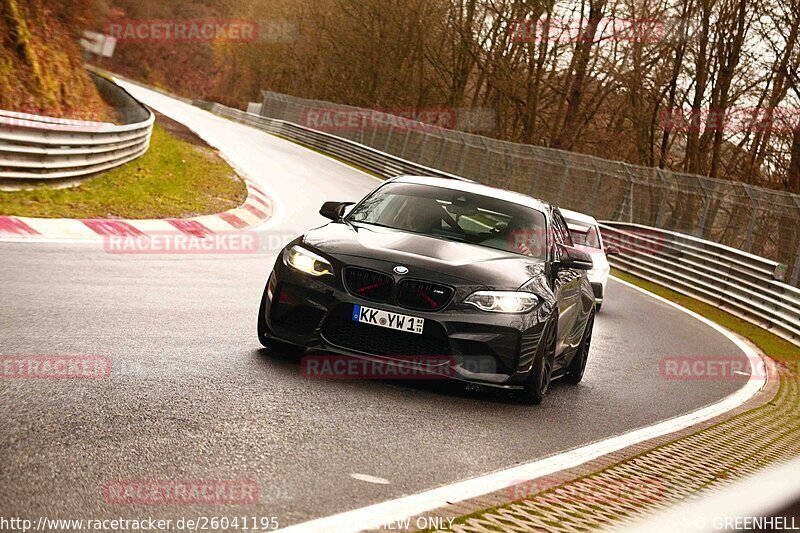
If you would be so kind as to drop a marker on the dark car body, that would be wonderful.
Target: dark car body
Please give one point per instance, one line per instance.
(436, 276)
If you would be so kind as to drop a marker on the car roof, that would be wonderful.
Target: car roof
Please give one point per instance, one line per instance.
(476, 188)
(577, 217)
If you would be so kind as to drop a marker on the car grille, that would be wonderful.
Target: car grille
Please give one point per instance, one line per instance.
(340, 330)
(423, 296)
(294, 316)
(368, 284)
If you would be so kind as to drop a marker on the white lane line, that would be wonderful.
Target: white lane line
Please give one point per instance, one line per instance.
(373, 516)
(370, 479)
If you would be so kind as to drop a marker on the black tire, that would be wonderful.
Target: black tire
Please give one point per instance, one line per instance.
(262, 321)
(538, 382)
(577, 366)
(597, 307)
(271, 343)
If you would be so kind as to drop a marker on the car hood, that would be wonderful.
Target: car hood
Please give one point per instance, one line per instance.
(470, 263)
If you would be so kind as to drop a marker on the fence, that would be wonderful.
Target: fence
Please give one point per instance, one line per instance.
(744, 284)
(34, 147)
(753, 219)
(371, 159)
(740, 283)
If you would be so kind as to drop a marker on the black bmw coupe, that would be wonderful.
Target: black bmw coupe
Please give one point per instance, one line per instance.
(456, 279)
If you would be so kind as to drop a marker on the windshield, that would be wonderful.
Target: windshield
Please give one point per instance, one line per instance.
(455, 215)
(584, 235)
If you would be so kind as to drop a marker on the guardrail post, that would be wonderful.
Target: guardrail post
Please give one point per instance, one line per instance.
(748, 240)
(595, 188)
(374, 132)
(536, 169)
(388, 138)
(563, 178)
(442, 150)
(664, 195)
(422, 148)
(706, 207)
(628, 201)
(507, 180)
(796, 273)
(484, 159)
(463, 157)
(405, 145)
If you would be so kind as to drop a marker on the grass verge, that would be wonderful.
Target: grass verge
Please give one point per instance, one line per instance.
(178, 177)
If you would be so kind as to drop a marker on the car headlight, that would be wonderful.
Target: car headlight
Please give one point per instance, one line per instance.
(503, 301)
(306, 261)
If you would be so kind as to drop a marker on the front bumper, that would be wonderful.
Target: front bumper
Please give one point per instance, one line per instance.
(458, 342)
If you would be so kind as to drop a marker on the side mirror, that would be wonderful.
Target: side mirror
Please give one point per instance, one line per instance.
(612, 250)
(333, 210)
(574, 258)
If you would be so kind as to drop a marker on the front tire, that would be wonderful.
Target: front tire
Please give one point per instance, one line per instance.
(578, 364)
(538, 382)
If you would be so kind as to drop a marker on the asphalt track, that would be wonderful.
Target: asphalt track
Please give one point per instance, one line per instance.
(192, 395)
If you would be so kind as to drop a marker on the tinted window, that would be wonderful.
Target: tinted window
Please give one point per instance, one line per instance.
(584, 236)
(455, 215)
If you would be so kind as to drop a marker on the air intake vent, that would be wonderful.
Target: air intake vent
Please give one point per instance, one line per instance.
(368, 284)
(422, 295)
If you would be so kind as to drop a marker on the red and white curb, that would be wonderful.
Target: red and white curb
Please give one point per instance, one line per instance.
(256, 210)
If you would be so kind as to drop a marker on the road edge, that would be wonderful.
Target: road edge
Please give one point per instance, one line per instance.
(490, 490)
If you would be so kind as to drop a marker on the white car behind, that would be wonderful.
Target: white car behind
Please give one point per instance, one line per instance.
(586, 235)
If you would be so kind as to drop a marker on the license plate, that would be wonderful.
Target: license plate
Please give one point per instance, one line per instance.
(386, 319)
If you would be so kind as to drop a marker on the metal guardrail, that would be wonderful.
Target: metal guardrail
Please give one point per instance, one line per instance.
(742, 284)
(34, 147)
(757, 220)
(380, 163)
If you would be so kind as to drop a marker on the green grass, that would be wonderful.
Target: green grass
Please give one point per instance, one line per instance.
(173, 179)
